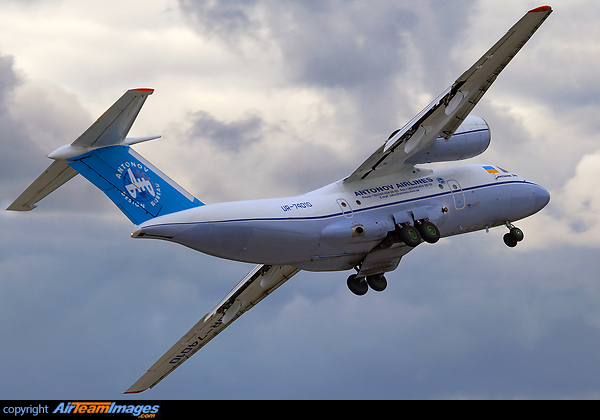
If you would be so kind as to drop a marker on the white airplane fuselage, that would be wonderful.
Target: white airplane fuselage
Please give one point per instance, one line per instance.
(335, 227)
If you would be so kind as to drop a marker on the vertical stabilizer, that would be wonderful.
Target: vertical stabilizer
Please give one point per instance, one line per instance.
(103, 156)
(139, 189)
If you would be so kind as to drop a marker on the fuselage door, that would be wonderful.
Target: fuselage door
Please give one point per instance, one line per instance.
(457, 194)
(345, 206)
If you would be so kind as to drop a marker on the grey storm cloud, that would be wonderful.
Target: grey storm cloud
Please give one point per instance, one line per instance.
(229, 136)
(336, 43)
(355, 53)
(8, 79)
(16, 143)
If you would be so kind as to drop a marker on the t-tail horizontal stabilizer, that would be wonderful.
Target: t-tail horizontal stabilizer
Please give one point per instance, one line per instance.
(103, 156)
(57, 174)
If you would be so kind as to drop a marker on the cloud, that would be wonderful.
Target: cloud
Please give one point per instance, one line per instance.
(575, 209)
(227, 19)
(353, 52)
(231, 136)
(579, 199)
(17, 144)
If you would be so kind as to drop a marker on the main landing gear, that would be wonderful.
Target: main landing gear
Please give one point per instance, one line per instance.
(514, 236)
(360, 285)
(423, 229)
(410, 236)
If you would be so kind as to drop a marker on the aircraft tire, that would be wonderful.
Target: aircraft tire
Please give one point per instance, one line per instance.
(377, 282)
(410, 236)
(509, 240)
(357, 285)
(429, 232)
(517, 233)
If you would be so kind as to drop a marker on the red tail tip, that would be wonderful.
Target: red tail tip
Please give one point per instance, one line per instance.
(133, 392)
(541, 9)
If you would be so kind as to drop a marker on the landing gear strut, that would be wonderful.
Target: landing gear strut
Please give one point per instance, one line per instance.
(360, 285)
(514, 236)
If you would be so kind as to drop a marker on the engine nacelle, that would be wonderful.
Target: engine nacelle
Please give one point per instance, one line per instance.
(471, 139)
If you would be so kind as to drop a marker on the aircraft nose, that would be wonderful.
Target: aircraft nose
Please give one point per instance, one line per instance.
(542, 197)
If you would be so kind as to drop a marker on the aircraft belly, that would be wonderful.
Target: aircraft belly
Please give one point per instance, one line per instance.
(262, 242)
(340, 262)
(224, 240)
(278, 245)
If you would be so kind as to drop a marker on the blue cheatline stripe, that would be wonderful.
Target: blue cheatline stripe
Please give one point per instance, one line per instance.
(138, 188)
(332, 215)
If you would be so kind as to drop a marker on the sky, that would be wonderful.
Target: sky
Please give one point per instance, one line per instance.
(264, 98)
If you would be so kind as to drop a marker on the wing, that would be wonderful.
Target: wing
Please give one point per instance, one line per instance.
(257, 285)
(445, 114)
(57, 174)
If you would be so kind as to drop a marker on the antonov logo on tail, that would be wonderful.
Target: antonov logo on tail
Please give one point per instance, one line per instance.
(137, 183)
(140, 183)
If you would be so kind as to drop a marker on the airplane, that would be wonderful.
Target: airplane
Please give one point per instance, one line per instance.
(365, 222)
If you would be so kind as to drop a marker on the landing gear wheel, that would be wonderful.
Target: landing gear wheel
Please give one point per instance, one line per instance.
(510, 240)
(410, 236)
(357, 285)
(429, 232)
(377, 282)
(517, 233)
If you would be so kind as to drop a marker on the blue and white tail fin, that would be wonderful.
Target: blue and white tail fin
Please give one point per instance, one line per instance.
(102, 154)
(139, 189)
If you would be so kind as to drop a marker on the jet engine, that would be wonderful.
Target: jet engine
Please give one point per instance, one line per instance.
(471, 139)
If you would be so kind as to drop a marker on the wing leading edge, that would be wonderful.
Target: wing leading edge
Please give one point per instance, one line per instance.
(257, 285)
(445, 114)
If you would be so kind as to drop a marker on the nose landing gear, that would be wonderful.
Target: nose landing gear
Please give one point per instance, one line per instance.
(514, 236)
